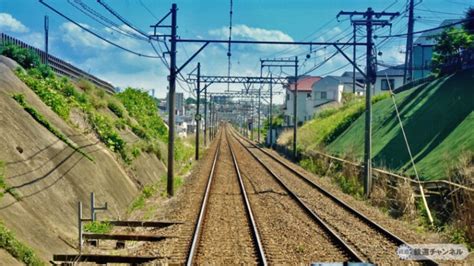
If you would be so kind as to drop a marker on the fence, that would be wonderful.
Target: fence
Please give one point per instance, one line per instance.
(59, 66)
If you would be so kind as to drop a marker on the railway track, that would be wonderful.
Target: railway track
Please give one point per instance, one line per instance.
(368, 240)
(225, 231)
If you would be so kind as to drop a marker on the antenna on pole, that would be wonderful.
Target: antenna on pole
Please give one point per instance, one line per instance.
(46, 33)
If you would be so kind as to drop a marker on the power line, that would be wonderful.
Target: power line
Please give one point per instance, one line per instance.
(147, 9)
(93, 33)
(86, 10)
(428, 30)
(119, 17)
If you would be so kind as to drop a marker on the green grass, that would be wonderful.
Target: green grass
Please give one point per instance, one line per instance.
(17, 249)
(98, 227)
(331, 123)
(20, 99)
(439, 122)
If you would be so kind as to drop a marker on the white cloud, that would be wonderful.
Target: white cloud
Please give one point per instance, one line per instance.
(244, 32)
(78, 38)
(9, 23)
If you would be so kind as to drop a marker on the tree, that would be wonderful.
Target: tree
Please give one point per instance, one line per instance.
(450, 42)
(190, 100)
(469, 23)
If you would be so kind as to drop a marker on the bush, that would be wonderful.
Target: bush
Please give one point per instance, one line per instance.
(104, 128)
(49, 90)
(25, 57)
(142, 107)
(17, 249)
(116, 108)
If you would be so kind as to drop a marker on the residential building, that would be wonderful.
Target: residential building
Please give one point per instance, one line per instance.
(423, 50)
(389, 78)
(329, 89)
(304, 110)
(179, 103)
(360, 82)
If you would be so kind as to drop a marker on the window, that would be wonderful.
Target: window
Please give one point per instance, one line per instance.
(384, 85)
(287, 96)
(308, 95)
(324, 95)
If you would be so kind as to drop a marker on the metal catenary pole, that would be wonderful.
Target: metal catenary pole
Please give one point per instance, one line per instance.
(171, 99)
(46, 39)
(270, 126)
(408, 70)
(259, 105)
(354, 60)
(205, 116)
(368, 111)
(295, 106)
(197, 116)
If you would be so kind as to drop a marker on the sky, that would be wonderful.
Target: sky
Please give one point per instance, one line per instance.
(281, 20)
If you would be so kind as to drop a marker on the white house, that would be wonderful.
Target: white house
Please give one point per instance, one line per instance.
(388, 78)
(304, 100)
(329, 89)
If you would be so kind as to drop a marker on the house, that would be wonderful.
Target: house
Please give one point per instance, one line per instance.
(359, 85)
(179, 103)
(304, 100)
(423, 50)
(389, 78)
(328, 90)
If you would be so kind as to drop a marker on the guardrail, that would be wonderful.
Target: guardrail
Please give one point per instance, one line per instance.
(59, 66)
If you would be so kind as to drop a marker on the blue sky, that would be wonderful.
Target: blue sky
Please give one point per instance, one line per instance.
(252, 19)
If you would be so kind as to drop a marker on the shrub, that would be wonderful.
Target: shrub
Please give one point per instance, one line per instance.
(85, 85)
(104, 128)
(142, 107)
(49, 90)
(25, 57)
(116, 108)
(17, 249)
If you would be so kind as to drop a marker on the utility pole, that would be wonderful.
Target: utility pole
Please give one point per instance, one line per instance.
(205, 116)
(171, 99)
(46, 39)
(369, 21)
(270, 120)
(259, 105)
(198, 116)
(354, 60)
(295, 116)
(287, 62)
(408, 71)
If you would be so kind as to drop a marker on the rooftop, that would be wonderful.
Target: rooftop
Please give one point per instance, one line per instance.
(392, 71)
(428, 38)
(305, 84)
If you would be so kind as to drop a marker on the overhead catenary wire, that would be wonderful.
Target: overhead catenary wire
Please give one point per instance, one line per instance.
(93, 33)
(122, 19)
(99, 18)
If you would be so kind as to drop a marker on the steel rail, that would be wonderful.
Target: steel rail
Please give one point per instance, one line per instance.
(202, 212)
(255, 235)
(351, 252)
(338, 201)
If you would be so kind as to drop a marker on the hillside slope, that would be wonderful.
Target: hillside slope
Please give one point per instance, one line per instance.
(439, 122)
(47, 177)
